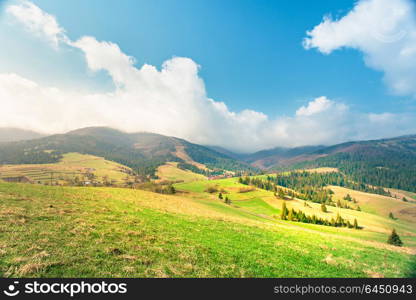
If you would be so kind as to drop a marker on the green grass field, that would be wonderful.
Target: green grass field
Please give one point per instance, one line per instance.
(50, 231)
(171, 172)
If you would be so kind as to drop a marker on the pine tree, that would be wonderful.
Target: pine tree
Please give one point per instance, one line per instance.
(394, 239)
(284, 211)
(391, 216)
(281, 194)
(220, 196)
(227, 200)
(290, 215)
(323, 208)
(171, 190)
(355, 224)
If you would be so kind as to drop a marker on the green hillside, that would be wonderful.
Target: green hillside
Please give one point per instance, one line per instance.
(143, 152)
(112, 232)
(387, 162)
(71, 169)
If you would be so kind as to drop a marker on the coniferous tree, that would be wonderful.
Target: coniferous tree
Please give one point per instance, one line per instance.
(171, 189)
(220, 196)
(281, 194)
(355, 224)
(284, 212)
(394, 239)
(227, 200)
(290, 215)
(323, 208)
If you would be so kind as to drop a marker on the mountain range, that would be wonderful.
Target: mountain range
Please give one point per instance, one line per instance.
(10, 134)
(385, 162)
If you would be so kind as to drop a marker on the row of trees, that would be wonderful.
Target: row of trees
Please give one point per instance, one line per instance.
(309, 193)
(300, 216)
(307, 182)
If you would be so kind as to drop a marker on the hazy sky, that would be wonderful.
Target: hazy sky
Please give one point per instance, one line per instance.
(245, 75)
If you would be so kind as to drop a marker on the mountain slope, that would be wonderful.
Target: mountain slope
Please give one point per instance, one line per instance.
(143, 152)
(9, 134)
(387, 162)
(280, 156)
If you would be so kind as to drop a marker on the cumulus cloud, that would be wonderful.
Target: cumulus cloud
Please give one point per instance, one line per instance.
(384, 30)
(172, 100)
(320, 104)
(37, 21)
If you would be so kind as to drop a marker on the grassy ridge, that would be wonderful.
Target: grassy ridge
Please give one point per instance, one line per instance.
(109, 232)
(70, 166)
(171, 172)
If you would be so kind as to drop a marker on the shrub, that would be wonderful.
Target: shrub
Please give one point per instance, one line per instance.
(211, 189)
(246, 189)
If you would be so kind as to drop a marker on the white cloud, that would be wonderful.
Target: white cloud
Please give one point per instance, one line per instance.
(37, 21)
(319, 105)
(173, 101)
(384, 30)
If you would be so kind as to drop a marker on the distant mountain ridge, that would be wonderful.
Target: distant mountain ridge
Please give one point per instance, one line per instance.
(140, 151)
(386, 162)
(281, 156)
(10, 134)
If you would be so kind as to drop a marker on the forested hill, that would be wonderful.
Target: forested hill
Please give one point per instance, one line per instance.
(9, 134)
(387, 162)
(140, 151)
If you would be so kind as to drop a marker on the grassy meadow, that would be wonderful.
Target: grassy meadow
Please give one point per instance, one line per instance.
(58, 231)
(70, 166)
(171, 172)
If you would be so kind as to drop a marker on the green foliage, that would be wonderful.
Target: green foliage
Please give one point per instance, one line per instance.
(387, 163)
(215, 160)
(311, 184)
(284, 211)
(227, 200)
(300, 216)
(355, 224)
(211, 189)
(160, 188)
(394, 239)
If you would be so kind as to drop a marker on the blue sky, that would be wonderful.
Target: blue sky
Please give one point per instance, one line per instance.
(250, 54)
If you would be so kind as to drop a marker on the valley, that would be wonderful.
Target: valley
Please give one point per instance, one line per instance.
(98, 202)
